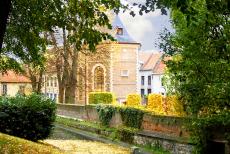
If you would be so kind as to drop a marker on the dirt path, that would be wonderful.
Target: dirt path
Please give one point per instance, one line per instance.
(73, 144)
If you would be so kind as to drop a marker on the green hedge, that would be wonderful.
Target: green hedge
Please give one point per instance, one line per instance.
(30, 117)
(101, 98)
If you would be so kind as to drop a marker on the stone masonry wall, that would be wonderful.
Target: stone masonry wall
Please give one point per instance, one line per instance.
(165, 132)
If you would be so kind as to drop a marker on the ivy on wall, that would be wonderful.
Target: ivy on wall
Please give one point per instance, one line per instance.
(131, 117)
(106, 113)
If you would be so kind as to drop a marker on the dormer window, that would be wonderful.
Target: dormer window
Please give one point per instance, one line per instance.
(119, 31)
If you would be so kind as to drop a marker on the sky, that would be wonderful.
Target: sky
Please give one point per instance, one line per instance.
(145, 29)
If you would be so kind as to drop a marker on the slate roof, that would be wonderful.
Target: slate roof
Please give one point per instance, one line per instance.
(125, 38)
(12, 77)
(116, 23)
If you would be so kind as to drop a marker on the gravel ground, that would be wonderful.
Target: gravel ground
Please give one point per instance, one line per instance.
(73, 144)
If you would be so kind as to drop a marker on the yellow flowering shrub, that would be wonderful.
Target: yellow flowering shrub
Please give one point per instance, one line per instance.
(174, 106)
(155, 103)
(133, 100)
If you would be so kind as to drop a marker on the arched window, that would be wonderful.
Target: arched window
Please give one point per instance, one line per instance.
(99, 79)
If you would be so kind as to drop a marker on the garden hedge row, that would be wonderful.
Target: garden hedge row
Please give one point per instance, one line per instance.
(133, 100)
(30, 117)
(101, 98)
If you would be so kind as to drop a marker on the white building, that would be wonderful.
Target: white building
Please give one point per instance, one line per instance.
(12, 84)
(151, 73)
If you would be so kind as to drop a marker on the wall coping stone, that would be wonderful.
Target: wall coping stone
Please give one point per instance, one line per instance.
(159, 135)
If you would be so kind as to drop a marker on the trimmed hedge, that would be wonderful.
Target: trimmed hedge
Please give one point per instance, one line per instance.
(30, 117)
(101, 98)
(133, 100)
(10, 144)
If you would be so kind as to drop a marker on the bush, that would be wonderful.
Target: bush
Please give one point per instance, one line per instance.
(101, 98)
(30, 117)
(155, 103)
(105, 113)
(133, 100)
(131, 117)
(209, 128)
(174, 106)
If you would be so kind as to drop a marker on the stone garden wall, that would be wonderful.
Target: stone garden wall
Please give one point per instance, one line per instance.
(164, 131)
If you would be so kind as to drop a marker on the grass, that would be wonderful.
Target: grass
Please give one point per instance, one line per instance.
(11, 145)
(75, 123)
(72, 143)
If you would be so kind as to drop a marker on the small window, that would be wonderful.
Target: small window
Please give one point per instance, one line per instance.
(142, 92)
(149, 80)
(21, 89)
(55, 97)
(142, 80)
(119, 31)
(51, 81)
(4, 89)
(47, 82)
(51, 96)
(125, 73)
(149, 91)
(162, 82)
(55, 82)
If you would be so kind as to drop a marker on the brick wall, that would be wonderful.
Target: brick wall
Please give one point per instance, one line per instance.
(151, 123)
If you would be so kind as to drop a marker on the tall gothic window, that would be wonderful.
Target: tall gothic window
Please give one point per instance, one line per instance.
(99, 79)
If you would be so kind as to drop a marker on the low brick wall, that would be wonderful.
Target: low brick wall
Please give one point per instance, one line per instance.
(164, 131)
(151, 123)
(165, 124)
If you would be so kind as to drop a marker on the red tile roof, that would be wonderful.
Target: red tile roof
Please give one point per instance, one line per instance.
(12, 77)
(149, 60)
(153, 62)
(161, 66)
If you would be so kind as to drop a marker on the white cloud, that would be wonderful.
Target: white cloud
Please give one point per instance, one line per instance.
(144, 29)
(139, 25)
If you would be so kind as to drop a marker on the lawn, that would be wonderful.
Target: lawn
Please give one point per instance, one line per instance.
(15, 145)
(70, 143)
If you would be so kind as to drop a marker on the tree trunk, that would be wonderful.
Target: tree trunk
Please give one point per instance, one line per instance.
(70, 95)
(5, 6)
(66, 67)
(33, 80)
(61, 94)
(39, 83)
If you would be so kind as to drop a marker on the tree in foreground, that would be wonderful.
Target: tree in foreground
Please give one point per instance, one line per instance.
(200, 66)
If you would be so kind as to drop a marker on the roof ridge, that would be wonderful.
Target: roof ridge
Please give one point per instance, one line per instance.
(147, 60)
(158, 62)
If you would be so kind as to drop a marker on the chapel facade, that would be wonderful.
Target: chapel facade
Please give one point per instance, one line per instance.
(114, 67)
